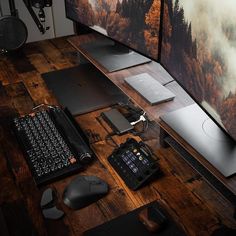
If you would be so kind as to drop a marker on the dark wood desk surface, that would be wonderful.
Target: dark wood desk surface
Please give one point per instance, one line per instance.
(196, 206)
(227, 186)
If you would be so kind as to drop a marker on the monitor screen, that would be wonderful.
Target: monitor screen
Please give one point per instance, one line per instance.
(135, 24)
(199, 51)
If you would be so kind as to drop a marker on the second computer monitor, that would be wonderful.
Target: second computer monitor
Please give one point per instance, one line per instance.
(134, 24)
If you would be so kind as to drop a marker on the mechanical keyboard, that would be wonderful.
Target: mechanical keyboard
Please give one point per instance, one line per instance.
(54, 147)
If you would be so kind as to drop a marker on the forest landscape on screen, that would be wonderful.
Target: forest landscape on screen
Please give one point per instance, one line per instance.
(130, 22)
(199, 50)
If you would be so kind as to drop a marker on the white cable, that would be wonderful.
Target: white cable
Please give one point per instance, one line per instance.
(141, 118)
(41, 105)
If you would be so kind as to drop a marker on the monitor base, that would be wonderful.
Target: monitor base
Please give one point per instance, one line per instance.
(200, 132)
(113, 57)
(83, 89)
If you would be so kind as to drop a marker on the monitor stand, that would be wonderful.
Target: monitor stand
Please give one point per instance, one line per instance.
(113, 56)
(83, 89)
(200, 132)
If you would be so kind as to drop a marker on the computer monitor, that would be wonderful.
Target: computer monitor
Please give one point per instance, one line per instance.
(131, 24)
(199, 51)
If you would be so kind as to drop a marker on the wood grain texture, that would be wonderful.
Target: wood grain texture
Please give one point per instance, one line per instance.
(230, 183)
(195, 206)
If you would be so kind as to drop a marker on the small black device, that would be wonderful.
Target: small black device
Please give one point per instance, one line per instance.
(83, 191)
(117, 121)
(53, 145)
(134, 163)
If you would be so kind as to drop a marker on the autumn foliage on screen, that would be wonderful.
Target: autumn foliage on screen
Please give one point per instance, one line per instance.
(199, 50)
(133, 23)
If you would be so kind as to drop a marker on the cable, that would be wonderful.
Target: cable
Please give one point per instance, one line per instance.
(42, 105)
(137, 115)
(141, 118)
(168, 82)
(134, 112)
(145, 124)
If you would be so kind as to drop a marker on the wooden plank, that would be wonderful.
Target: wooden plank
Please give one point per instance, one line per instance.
(20, 62)
(41, 63)
(37, 89)
(21, 100)
(54, 56)
(188, 198)
(230, 183)
(8, 74)
(181, 201)
(16, 214)
(14, 170)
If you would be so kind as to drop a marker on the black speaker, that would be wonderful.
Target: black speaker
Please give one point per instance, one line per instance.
(13, 33)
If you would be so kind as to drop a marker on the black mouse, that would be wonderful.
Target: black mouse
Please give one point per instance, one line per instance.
(84, 190)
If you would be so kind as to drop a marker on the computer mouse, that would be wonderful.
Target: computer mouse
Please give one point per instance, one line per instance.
(84, 190)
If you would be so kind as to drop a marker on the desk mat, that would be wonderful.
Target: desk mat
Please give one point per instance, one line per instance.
(129, 224)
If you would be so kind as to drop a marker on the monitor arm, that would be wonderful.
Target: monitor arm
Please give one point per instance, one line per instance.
(38, 21)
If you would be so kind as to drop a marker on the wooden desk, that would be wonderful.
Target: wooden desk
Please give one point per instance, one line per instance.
(187, 197)
(226, 186)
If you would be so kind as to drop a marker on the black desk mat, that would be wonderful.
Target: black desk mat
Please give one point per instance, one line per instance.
(129, 224)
